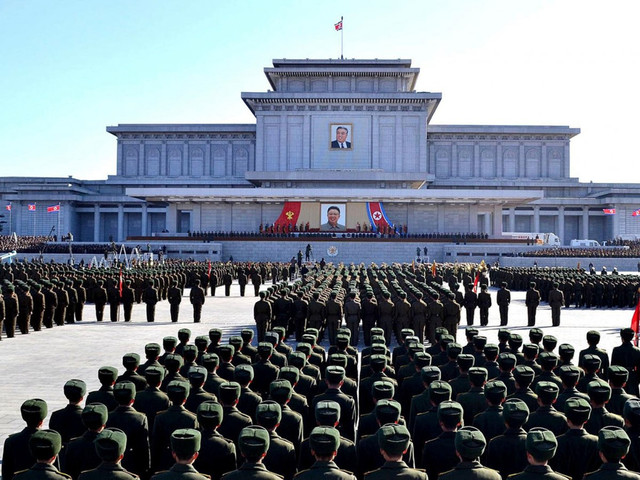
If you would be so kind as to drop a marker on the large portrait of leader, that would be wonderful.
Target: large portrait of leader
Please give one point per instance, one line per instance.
(333, 217)
(340, 136)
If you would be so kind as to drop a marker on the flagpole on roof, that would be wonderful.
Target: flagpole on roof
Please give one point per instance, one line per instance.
(59, 232)
(341, 38)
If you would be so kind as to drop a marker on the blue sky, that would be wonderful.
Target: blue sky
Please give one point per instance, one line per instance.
(69, 68)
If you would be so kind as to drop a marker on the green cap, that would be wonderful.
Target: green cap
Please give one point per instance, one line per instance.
(450, 410)
(210, 414)
(110, 444)
(393, 439)
(33, 410)
(268, 414)
(185, 442)
(324, 441)
(184, 334)
(124, 391)
(154, 374)
(430, 374)
(229, 392)
(613, 442)
(75, 388)
(290, 373)
(478, 375)
(631, 411)
(45, 444)
(547, 392)
(94, 415)
(618, 374)
(382, 389)
(335, 374)
(152, 349)
(470, 442)
(327, 412)
(178, 387)
(197, 374)
(243, 374)
(130, 360)
(387, 411)
(577, 410)
(253, 441)
(514, 410)
(541, 443)
(439, 391)
(281, 391)
(599, 391)
(524, 375)
(107, 375)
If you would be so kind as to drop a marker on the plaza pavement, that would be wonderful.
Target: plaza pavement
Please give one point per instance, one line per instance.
(38, 364)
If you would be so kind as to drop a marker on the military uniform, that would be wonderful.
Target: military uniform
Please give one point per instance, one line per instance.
(196, 296)
(174, 295)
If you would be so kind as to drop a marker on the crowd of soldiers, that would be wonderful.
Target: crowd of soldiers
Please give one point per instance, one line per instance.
(580, 288)
(272, 410)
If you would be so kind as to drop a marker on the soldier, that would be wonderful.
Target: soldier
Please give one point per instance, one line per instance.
(613, 446)
(82, 298)
(217, 454)
(68, 420)
(507, 453)
(16, 454)
(394, 441)
(281, 455)
(451, 315)
(484, 303)
(334, 313)
(233, 420)
(253, 443)
(503, 299)
(150, 298)
(25, 306)
(386, 316)
(628, 356)
(107, 378)
(300, 313)
(556, 301)
(44, 445)
(174, 295)
(11, 310)
(99, 299)
(334, 377)
(470, 445)
(73, 301)
(152, 400)
(242, 281)
(185, 445)
(470, 303)
(227, 280)
(110, 446)
(532, 300)
(196, 296)
(324, 443)
(80, 454)
(541, 447)
(352, 315)
(403, 314)
(63, 303)
(419, 315)
(262, 316)
(113, 295)
(439, 454)
(37, 315)
(370, 317)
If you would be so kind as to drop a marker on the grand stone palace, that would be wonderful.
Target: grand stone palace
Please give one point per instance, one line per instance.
(396, 167)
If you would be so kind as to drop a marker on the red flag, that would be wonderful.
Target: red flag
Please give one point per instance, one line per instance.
(635, 321)
(8, 207)
(120, 286)
(433, 268)
(209, 271)
(54, 208)
(609, 211)
(32, 207)
(289, 215)
(476, 281)
(636, 213)
(338, 26)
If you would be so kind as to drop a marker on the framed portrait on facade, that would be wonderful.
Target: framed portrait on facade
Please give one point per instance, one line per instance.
(340, 136)
(333, 217)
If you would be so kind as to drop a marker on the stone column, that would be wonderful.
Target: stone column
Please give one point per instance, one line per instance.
(120, 232)
(144, 218)
(141, 161)
(172, 218)
(536, 219)
(96, 223)
(560, 232)
(585, 222)
(487, 223)
(497, 221)
(512, 219)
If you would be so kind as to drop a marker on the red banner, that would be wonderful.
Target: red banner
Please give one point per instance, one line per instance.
(377, 216)
(54, 208)
(634, 323)
(609, 211)
(289, 215)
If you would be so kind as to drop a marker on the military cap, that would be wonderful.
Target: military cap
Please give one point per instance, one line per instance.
(577, 410)
(387, 411)
(523, 374)
(491, 351)
(470, 442)
(515, 340)
(535, 335)
(430, 373)
(478, 375)
(229, 391)
(281, 391)
(169, 343)
(342, 340)
(273, 338)
(190, 352)
(253, 441)
(593, 336)
(530, 349)
(465, 361)
(210, 361)
(215, 334)
(471, 332)
(338, 359)
(618, 374)
(173, 361)
(631, 411)
(503, 334)
(377, 340)
(570, 374)
(110, 444)
(289, 373)
(327, 412)
(566, 350)
(269, 414)
(197, 374)
(532, 284)
(507, 361)
(446, 340)
(382, 389)
(422, 359)
(179, 387)
(130, 360)
(393, 439)
(75, 388)
(613, 442)
(124, 391)
(297, 359)
(243, 373)
(304, 347)
(33, 410)
(184, 334)
(599, 391)
(344, 331)
(154, 374)
(334, 374)
(627, 334)
(547, 360)
(381, 349)
(45, 444)
(226, 352)
(152, 349)
(591, 362)
(454, 349)
(450, 410)
(406, 332)
(201, 342)
(210, 413)
(547, 391)
(378, 362)
(312, 331)
(549, 342)
(514, 410)
(439, 390)
(185, 442)
(107, 375)
(479, 341)
(324, 441)
(495, 389)
(246, 334)
(94, 415)
(541, 443)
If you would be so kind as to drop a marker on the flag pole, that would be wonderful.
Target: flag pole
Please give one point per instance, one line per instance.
(34, 221)
(10, 217)
(341, 38)
(59, 232)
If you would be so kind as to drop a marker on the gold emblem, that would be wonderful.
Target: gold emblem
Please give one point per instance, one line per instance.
(289, 215)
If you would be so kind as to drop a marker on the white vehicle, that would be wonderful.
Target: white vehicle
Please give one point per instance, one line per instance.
(584, 243)
(548, 239)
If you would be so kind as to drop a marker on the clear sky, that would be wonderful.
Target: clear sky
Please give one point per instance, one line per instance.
(69, 68)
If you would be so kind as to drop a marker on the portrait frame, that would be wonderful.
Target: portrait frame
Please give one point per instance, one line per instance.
(333, 128)
(324, 216)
